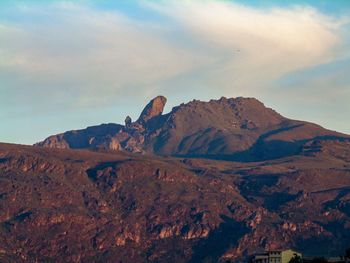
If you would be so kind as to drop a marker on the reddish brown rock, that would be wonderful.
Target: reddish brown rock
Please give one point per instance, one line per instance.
(239, 129)
(83, 206)
(153, 109)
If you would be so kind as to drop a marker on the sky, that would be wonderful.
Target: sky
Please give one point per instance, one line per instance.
(67, 65)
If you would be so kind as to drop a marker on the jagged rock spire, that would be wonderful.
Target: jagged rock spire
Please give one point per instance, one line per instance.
(127, 121)
(154, 108)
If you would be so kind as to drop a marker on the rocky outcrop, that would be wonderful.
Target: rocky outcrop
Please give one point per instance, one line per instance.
(240, 129)
(94, 137)
(128, 121)
(83, 206)
(55, 141)
(153, 109)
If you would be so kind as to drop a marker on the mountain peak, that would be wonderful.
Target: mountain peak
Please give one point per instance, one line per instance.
(227, 128)
(154, 108)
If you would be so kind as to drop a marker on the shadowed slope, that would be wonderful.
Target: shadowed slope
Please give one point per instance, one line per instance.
(83, 206)
(240, 129)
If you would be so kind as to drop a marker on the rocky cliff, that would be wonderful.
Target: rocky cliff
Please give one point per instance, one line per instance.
(81, 206)
(240, 129)
(265, 182)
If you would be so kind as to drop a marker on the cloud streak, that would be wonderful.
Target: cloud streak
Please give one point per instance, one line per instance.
(259, 45)
(66, 56)
(88, 52)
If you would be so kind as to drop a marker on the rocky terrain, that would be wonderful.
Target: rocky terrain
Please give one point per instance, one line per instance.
(239, 129)
(215, 182)
(82, 206)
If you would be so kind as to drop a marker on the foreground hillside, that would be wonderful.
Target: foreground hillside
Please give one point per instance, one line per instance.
(83, 206)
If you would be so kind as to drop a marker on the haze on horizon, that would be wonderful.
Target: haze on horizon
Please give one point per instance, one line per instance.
(70, 64)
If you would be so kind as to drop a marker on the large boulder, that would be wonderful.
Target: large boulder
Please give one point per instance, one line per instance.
(154, 108)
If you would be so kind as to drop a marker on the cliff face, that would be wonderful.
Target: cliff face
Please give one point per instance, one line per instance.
(153, 109)
(81, 206)
(286, 184)
(240, 129)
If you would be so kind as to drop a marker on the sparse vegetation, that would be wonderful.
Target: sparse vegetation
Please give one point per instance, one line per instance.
(319, 260)
(296, 259)
(98, 206)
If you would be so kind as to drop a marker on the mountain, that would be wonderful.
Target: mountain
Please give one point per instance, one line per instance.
(63, 205)
(207, 182)
(239, 129)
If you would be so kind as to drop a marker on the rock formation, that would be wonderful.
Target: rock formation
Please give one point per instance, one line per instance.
(228, 128)
(153, 109)
(85, 206)
(101, 206)
(128, 121)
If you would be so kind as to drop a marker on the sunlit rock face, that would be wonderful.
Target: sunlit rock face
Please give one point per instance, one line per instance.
(240, 129)
(85, 206)
(153, 109)
(287, 187)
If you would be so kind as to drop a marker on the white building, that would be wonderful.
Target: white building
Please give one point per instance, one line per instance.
(275, 256)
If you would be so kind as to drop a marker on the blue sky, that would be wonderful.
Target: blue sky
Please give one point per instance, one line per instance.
(70, 64)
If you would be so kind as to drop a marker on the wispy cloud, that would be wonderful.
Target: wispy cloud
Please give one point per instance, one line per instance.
(67, 55)
(88, 52)
(258, 45)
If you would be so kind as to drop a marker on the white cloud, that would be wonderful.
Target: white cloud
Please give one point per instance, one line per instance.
(259, 45)
(95, 53)
(63, 55)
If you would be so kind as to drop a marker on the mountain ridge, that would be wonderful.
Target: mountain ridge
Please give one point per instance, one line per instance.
(67, 205)
(257, 181)
(230, 128)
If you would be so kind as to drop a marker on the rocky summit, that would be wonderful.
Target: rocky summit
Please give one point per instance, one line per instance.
(240, 129)
(216, 181)
(153, 109)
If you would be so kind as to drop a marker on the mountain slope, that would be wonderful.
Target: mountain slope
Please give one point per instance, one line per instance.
(240, 129)
(83, 206)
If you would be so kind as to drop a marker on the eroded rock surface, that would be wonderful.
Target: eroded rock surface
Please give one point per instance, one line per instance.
(82, 206)
(239, 129)
(153, 109)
